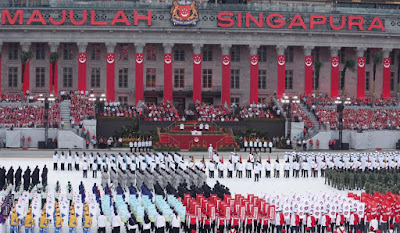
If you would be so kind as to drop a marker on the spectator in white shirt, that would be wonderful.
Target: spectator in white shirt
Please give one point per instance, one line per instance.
(175, 223)
(116, 223)
(101, 223)
(160, 223)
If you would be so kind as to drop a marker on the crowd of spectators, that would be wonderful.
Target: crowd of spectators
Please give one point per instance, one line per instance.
(162, 112)
(209, 112)
(360, 119)
(28, 116)
(297, 113)
(326, 100)
(120, 110)
(82, 108)
(258, 111)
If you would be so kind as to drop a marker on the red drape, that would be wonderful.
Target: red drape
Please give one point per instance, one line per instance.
(82, 66)
(26, 77)
(361, 77)
(110, 77)
(334, 76)
(55, 87)
(308, 74)
(226, 80)
(0, 73)
(386, 77)
(196, 77)
(281, 75)
(167, 77)
(254, 78)
(139, 92)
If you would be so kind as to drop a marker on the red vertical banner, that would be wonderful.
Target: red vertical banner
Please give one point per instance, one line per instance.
(361, 77)
(51, 78)
(26, 77)
(139, 92)
(254, 78)
(167, 77)
(53, 85)
(281, 76)
(196, 77)
(110, 93)
(226, 80)
(82, 67)
(386, 77)
(334, 76)
(308, 74)
(0, 72)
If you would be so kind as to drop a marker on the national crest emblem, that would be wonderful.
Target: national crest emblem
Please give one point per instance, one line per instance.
(184, 14)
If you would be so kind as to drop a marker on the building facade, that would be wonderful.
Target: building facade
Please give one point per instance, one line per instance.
(231, 53)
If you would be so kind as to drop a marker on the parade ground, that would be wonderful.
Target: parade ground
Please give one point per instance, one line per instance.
(33, 158)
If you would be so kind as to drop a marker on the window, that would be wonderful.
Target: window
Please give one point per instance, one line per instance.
(367, 56)
(95, 78)
(96, 52)
(315, 54)
(235, 54)
(391, 81)
(40, 77)
(262, 79)
(207, 78)
(392, 58)
(67, 52)
(289, 54)
(207, 53)
(40, 51)
(235, 100)
(289, 80)
(342, 80)
(262, 100)
(123, 52)
(179, 54)
(179, 78)
(150, 77)
(367, 81)
(123, 99)
(315, 80)
(123, 78)
(235, 78)
(262, 54)
(342, 56)
(13, 51)
(151, 53)
(12, 76)
(67, 77)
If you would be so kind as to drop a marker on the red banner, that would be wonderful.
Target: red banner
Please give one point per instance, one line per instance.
(254, 78)
(82, 66)
(53, 89)
(334, 76)
(26, 77)
(139, 92)
(308, 74)
(226, 80)
(167, 77)
(110, 93)
(386, 77)
(0, 73)
(281, 75)
(361, 77)
(196, 77)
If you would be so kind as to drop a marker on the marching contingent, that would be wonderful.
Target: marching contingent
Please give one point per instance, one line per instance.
(164, 192)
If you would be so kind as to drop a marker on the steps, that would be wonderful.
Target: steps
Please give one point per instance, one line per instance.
(314, 130)
(65, 113)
